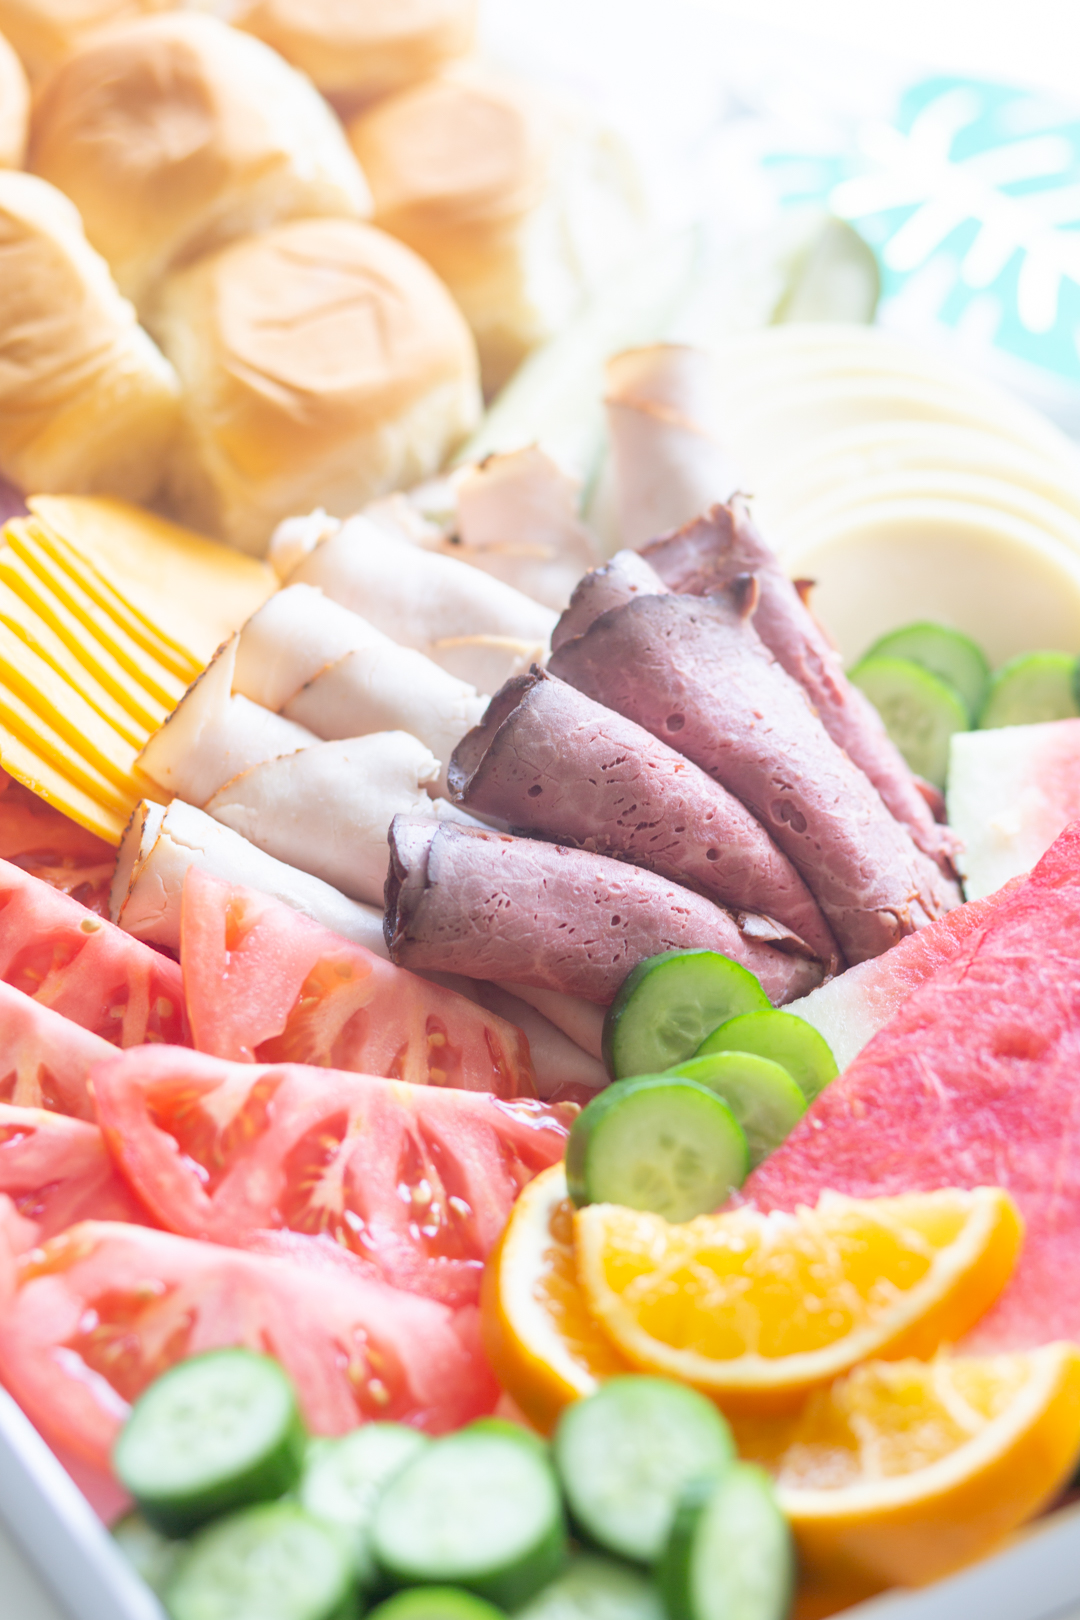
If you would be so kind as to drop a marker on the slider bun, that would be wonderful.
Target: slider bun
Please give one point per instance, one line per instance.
(363, 48)
(520, 204)
(14, 108)
(176, 133)
(43, 32)
(88, 405)
(322, 363)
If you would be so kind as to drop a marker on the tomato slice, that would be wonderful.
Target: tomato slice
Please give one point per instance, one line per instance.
(103, 1309)
(414, 1179)
(264, 983)
(67, 958)
(57, 1171)
(45, 842)
(45, 1059)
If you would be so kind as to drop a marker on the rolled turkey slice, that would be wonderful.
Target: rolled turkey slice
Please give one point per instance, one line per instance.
(627, 575)
(161, 844)
(212, 735)
(707, 555)
(472, 625)
(694, 672)
(491, 906)
(669, 462)
(582, 1021)
(550, 761)
(293, 637)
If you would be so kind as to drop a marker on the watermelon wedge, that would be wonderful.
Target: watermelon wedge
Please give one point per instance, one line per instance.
(1011, 792)
(974, 1082)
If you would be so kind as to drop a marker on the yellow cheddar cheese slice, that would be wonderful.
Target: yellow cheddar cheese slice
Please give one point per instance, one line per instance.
(50, 696)
(26, 722)
(26, 765)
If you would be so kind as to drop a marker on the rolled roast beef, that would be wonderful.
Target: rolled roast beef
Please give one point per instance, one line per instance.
(548, 760)
(707, 555)
(627, 575)
(492, 906)
(695, 673)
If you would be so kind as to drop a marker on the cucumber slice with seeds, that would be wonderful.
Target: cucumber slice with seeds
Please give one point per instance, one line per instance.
(730, 1553)
(953, 657)
(1034, 687)
(920, 711)
(436, 1603)
(343, 1480)
(785, 1038)
(667, 1006)
(272, 1562)
(656, 1143)
(762, 1095)
(594, 1589)
(626, 1455)
(214, 1433)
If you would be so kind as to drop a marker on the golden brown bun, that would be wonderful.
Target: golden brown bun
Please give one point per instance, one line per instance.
(177, 133)
(43, 32)
(14, 108)
(322, 364)
(520, 205)
(362, 48)
(87, 403)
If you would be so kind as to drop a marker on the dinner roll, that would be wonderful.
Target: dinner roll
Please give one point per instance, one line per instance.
(358, 49)
(14, 108)
(177, 133)
(520, 204)
(87, 403)
(322, 363)
(43, 32)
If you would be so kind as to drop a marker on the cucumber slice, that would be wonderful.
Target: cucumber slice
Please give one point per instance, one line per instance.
(953, 657)
(667, 1006)
(1033, 687)
(626, 1455)
(343, 1480)
(272, 1562)
(436, 1603)
(153, 1556)
(730, 1554)
(477, 1509)
(762, 1095)
(920, 711)
(657, 1143)
(214, 1433)
(785, 1038)
(596, 1589)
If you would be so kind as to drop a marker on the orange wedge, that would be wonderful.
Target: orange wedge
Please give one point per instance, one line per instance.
(756, 1310)
(906, 1470)
(543, 1345)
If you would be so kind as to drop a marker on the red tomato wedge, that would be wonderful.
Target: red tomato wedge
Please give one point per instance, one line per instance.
(45, 1058)
(101, 1310)
(57, 1171)
(69, 959)
(45, 842)
(414, 1179)
(265, 984)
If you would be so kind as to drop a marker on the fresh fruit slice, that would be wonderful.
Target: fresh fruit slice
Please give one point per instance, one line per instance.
(1035, 686)
(667, 1006)
(592, 1589)
(761, 1094)
(540, 1339)
(785, 1039)
(756, 1309)
(626, 1454)
(921, 713)
(730, 1554)
(272, 1562)
(343, 1478)
(656, 1143)
(905, 1470)
(950, 655)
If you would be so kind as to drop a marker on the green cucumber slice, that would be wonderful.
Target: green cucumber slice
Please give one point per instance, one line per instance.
(626, 1455)
(785, 1038)
(213, 1433)
(762, 1095)
(477, 1509)
(656, 1143)
(920, 711)
(343, 1479)
(730, 1553)
(595, 1589)
(436, 1603)
(1033, 687)
(153, 1556)
(950, 655)
(667, 1006)
(272, 1562)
